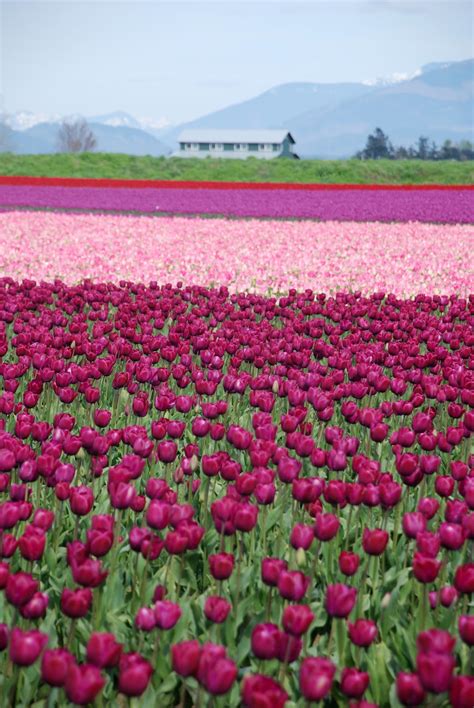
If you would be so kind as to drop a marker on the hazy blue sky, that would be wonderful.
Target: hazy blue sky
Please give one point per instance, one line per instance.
(182, 59)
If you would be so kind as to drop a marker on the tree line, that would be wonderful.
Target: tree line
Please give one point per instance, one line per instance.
(379, 146)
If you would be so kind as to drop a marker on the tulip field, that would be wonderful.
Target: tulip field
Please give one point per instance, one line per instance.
(236, 460)
(444, 204)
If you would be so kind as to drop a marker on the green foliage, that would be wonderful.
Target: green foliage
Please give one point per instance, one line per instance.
(115, 166)
(379, 147)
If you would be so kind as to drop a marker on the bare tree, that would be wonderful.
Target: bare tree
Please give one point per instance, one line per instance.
(76, 137)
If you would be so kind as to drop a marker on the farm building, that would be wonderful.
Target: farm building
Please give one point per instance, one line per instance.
(263, 144)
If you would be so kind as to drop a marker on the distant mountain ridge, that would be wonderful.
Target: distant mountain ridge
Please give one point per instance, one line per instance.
(333, 120)
(42, 137)
(326, 120)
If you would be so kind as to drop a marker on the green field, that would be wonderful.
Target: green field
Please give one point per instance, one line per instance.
(250, 170)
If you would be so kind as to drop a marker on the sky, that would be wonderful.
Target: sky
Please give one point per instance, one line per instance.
(180, 60)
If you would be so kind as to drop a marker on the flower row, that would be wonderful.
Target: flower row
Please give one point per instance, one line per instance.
(261, 256)
(425, 205)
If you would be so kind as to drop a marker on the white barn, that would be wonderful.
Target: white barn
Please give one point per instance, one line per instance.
(236, 144)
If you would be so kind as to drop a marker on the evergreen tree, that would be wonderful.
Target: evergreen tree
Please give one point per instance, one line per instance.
(422, 148)
(378, 146)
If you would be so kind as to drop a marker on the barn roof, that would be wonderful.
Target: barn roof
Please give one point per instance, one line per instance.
(209, 135)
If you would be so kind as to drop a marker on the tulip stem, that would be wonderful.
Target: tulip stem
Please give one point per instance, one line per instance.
(182, 696)
(50, 700)
(76, 527)
(264, 530)
(396, 526)
(15, 677)
(363, 581)
(144, 579)
(340, 637)
(239, 549)
(424, 608)
(71, 634)
(331, 637)
(97, 603)
(284, 667)
(315, 559)
(348, 527)
(180, 577)
(374, 574)
(156, 648)
(207, 485)
(222, 546)
(269, 604)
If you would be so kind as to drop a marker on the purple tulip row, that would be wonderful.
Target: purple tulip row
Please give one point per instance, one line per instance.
(430, 205)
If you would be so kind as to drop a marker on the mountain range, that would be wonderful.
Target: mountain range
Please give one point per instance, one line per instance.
(326, 120)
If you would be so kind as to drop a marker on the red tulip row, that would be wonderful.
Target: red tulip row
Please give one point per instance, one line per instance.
(235, 500)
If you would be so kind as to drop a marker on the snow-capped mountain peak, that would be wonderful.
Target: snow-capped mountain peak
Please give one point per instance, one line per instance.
(395, 78)
(22, 120)
(153, 123)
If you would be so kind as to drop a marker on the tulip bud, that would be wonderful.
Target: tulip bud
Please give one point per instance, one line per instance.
(463, 578)
(326, 526)
(301, 536)
(436, 641)
(362, 632)
(461, 692)
(166, 614)
(217, 609)
(76, 603)
(354, 682)
(425, 569)
(271, 569)
(219, 680)
(185, 657)
(135, 673)
(83, 683)
(315, 678)
(340, 600)
(300, 558)
(20, 588)
(292, 585)
(297, 619)
(81, 500)
(103, 650)
(145, 619)
(374, 541)
(36, 607)
(264, 641)
(348, 562)
(259, 690)
(55, 665)
(410, 691)
(221, 565)
(435, 671)
(466, 629)
(25, 647)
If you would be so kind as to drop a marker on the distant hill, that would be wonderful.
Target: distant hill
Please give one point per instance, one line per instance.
(326, 120)
(278, 107)
(438, 104)
(41, 138)
(333, 120)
